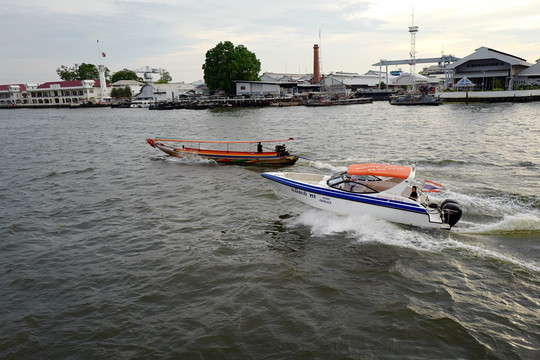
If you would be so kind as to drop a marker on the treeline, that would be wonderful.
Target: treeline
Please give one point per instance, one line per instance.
(224, 64)
(90, 71)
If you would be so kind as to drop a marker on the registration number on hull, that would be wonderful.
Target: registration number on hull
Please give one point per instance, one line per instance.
(322, 199)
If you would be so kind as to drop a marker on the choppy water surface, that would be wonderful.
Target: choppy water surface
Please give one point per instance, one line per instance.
(111, 249)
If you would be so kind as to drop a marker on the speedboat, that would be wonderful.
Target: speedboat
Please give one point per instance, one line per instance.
(221, 152)
(380, 190)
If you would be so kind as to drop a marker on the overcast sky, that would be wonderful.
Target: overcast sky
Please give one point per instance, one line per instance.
(41, 35)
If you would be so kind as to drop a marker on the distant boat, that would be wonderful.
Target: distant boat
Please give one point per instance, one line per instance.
(220, 151)
(140, 104)
(415, 99)
(330, 102)
(376, 95)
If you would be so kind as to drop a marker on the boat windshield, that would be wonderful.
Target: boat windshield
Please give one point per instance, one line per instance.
(363, 184)
(355, 183)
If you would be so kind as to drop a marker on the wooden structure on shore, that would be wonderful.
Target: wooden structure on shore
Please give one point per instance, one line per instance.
(490, 96)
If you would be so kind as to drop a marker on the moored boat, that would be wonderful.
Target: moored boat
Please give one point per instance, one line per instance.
(222, 151)
(330, 102)
(383, 191)
(415, 99)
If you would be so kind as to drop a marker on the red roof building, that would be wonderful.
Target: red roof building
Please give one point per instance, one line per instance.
(12, 94)
(74, 92)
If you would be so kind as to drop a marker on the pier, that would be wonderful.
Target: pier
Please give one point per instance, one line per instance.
(223, 102)
(490, 96)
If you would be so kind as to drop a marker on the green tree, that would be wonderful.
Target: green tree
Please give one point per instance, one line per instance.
(87, 71)
(165, 77)
(225, 63)
(125, 74)
(126, 92)
(66, 74)
(119, 93)
(80, 72)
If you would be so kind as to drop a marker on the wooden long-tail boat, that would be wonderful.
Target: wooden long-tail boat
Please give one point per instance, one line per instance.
(221, 152)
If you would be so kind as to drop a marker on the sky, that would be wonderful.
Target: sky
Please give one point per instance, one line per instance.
(40, 36)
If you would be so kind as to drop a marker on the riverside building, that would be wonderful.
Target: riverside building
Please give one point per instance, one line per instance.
(53, 94)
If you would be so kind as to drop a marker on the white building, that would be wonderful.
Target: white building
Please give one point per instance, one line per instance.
(134, 85)
(529, 76)
(74, 92)
(155, 93)
(346, 83)
(257, 88)
(13, 94)
(489, 69)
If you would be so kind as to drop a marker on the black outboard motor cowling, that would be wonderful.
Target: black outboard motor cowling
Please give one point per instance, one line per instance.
(281, 150)
(451, 212)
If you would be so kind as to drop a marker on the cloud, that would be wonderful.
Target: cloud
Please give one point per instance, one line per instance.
(175, 34)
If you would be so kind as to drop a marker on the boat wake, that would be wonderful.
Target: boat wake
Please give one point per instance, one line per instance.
(510, 224)
(367, 229)
(326, 166)
(190, 160)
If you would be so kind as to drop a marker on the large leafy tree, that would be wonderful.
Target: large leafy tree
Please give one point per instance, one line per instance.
(164, 78)
(225, 63)
(125, 74)
(80, 72)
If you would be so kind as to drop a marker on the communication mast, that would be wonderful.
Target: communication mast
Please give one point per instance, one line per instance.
(101, 71)
(413, 30)
(147, 73)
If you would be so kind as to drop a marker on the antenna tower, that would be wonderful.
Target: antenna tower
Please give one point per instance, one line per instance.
(413, 30)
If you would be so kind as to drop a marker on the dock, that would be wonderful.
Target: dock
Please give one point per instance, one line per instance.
(490, 96)
(217, 102)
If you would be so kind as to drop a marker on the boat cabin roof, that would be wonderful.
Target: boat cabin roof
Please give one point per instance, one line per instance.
(220, 141)
(385, 170)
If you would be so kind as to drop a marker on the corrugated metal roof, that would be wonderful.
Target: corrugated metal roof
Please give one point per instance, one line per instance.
(487, 53)
(532, 71)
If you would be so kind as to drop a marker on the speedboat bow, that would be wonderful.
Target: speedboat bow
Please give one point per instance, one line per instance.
(380, 190)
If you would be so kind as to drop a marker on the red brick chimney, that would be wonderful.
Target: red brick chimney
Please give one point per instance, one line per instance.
(316, 70)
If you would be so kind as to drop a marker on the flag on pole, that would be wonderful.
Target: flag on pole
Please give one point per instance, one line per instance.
(430, 186)
(103, 54)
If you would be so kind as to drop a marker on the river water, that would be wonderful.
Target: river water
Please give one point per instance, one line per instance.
(112, 250)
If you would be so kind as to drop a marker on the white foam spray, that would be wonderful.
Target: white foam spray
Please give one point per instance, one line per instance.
(326, 166)
(367, 229)
(191, 160)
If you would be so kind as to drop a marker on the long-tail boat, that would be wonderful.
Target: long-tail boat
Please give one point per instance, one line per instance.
(222, 151)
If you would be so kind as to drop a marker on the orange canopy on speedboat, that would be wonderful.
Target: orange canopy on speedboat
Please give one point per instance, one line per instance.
(395, 171)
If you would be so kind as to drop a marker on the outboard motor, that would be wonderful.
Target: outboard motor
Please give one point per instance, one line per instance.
(451, 212)
(281, 151)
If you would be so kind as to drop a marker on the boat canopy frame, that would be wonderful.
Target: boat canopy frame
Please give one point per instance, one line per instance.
(220, 141)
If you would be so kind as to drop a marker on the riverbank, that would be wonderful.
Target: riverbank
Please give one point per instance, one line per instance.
(490, 96)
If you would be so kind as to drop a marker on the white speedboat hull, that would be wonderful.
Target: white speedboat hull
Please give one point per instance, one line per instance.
(380, 205)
